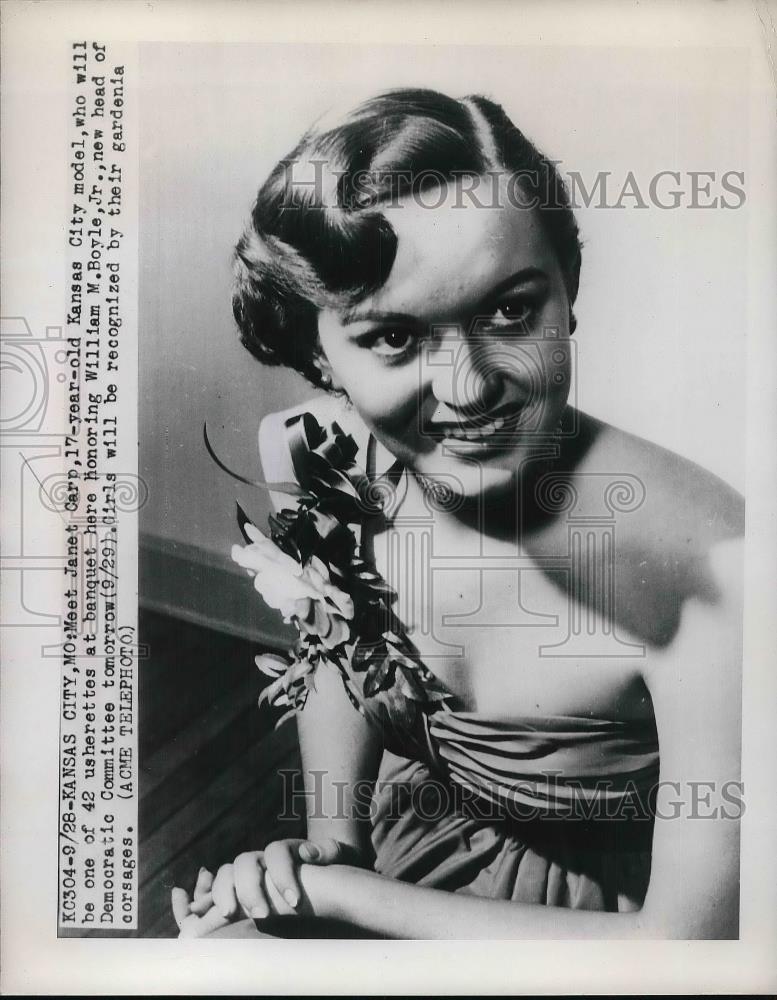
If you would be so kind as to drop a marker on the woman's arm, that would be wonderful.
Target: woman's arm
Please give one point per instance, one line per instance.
(693, 890)
(392, 909)
(340, 750)
(697, 698)
(340, 757)
(341, 753)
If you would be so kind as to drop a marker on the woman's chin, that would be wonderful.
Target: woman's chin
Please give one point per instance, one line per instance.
(466, 474)
(469, 470)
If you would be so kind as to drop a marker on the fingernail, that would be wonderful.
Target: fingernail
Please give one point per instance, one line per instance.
(291, 898)
(203, 869)
(309, 852)
(258, 913)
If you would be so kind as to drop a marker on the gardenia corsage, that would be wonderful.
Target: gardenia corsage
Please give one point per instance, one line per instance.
(314, 571)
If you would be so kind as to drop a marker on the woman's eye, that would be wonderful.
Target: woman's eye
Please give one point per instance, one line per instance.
(392, 343)
(514, 312)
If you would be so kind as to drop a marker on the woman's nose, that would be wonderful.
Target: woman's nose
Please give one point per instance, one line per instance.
(461, 377)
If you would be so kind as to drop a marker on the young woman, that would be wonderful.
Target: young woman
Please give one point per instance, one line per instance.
(552, 735)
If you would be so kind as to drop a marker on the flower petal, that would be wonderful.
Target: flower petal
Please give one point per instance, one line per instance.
(338, 633)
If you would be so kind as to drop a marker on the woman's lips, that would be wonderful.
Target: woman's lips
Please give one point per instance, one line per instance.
(500, 423)
(484, 438)
(477, 446)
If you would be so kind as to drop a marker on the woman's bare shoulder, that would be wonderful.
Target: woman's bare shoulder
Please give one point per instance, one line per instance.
(675, 499)
(672, 523)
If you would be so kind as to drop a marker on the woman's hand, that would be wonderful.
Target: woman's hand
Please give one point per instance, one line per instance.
(197, 916)
(267, 882)
(258, 884)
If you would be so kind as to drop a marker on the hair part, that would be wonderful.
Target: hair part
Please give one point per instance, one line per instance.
(318, 238)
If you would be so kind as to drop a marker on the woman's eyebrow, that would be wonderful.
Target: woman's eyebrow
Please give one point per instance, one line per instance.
(357, 315)
(525, 274)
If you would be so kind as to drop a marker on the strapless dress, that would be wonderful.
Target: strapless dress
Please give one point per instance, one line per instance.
(554, 810)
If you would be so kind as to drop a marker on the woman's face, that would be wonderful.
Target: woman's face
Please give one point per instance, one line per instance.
(459, 364)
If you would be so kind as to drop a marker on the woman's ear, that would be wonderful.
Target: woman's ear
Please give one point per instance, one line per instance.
(326, 379)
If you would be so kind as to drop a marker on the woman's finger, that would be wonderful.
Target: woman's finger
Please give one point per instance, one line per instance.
(204, 883)
(187, 927)
(202, 905)
(180, 901)
(321, 852)
(197, 927)
(248, 877)
(280, 859)
(224, 898)
(277, 902)
(211, 921)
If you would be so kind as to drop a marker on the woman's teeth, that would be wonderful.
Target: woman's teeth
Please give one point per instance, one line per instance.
(476, 433)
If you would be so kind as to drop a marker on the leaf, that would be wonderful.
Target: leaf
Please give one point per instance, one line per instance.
(291, 714)
(368, 579)
(367, 653)
(379, 677)
(291, 488)
(242, 520)
(340, 483)
(409, 684)
(274, 694)
(397, 643)
(271, 664)
(436, 693)
(305, 537)
(345, 443)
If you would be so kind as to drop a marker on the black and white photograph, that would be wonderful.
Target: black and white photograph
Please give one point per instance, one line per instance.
(412, 491)
(516, 623)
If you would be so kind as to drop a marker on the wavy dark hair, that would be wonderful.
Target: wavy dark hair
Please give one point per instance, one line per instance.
(317, 236)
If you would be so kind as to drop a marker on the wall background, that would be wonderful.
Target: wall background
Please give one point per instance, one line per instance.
(662, 306)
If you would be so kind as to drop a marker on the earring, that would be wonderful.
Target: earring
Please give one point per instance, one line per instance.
(325, 380)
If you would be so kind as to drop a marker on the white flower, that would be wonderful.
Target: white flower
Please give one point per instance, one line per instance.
(306, 595)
